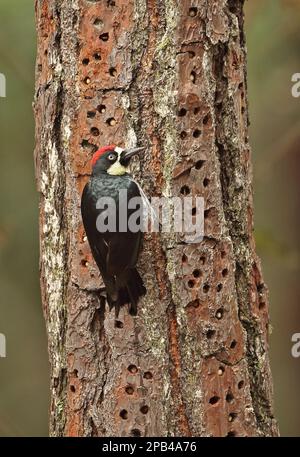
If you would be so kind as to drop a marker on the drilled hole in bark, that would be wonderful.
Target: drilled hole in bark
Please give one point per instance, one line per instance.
(184, 258)
(87, 80)
(197, 110)
(191, 283)
(223, 254)
(206, 182)
(199, 164)
(129, 390)
(221, 370)
(72, 388)
(260, 287)
(261, 305)
(196, 133)
(182, 112)
(214, 400)
(185, 190)
(210, 334)
(232, 417)
(101, 108)
(192, 54)
(206, 119)
(224, 272)
(206, 214)
(183, 135)
(193, 77)
(231, 434)
(132, 369)
(124, 414)
(84, 263)
(95, 131)
(144, 409)
(135, 432)
(111, 121)
(91, 114)
(113, 72)
(206, 288)
(148, 375)
(243, 109)
(85, 61)
(233, 344)
(111, 3)
(219, 313)
(104, 36)
(194, 211)
(97, 56)
(194, 303)
(196, 273)
(229, 397)
(202, 260)
(119, 324)
(241, 384)
(219, 287)
(98, 22)
(241, 85)
(193, 11)
(89, 146)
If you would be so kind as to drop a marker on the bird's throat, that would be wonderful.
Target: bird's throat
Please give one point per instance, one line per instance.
(116, 169)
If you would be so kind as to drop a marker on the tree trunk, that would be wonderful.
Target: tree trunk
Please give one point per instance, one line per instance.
(170, 75)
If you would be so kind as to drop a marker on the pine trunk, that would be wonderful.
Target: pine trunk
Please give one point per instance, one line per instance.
(170, 75)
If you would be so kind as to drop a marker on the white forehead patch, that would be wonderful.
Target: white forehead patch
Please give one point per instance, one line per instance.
(118, 150)
(116, 169)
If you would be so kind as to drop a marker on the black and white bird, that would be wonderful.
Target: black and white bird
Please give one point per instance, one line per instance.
(116, 251)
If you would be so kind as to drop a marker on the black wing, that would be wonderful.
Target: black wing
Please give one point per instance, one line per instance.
(97, 243)
(113, 252)
(124, 247)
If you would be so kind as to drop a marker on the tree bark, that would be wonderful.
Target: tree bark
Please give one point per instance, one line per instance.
(170, 75)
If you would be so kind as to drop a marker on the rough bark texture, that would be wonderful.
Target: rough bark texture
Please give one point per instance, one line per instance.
(168, 74)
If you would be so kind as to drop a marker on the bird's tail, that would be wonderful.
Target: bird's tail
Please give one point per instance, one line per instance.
(129, 288)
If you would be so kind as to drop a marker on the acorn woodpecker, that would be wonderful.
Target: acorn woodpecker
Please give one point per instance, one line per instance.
(115, 251)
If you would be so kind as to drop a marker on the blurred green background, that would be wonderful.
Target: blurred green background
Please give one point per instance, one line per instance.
(273, 43)
(24, 372)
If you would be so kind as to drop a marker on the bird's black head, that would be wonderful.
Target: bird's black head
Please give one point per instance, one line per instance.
(113, 160)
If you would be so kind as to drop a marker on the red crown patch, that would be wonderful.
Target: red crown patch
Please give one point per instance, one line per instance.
(102, 151)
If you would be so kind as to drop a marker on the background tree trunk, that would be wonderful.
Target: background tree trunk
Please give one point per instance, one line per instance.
(168, 74)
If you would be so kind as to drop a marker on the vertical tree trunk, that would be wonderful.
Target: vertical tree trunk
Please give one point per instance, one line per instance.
(171, 75)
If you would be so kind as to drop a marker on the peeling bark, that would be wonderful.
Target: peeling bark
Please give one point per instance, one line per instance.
(170, 75)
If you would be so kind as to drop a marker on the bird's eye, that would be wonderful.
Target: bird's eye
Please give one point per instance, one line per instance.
(111, 157)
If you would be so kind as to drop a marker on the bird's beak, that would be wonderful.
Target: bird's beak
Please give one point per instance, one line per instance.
(128, 153)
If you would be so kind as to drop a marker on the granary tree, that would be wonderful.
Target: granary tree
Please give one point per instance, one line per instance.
(169, 75)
